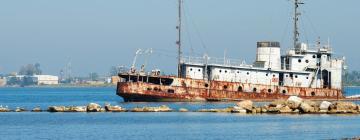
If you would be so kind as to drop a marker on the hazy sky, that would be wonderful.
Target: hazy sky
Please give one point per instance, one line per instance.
(97, 34)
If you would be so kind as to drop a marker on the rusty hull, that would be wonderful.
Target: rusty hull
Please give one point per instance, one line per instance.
(200, 90)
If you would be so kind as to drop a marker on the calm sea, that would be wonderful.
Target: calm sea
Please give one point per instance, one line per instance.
(28, 125)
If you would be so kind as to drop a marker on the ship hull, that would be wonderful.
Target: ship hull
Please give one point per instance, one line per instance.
(201, 91)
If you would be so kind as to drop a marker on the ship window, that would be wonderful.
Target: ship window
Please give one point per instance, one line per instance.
(307, 61)
(225, 71)
(199, 70)
(240, 89)
(267, 74)
(254, 89)
(274, 75)
(171, 91)
(206, 85)
(314, 56)
(287, 75)
(220, 71)
(148, 88)
(269, 90)
(296, 76)
(312, 93)
(247, 73)
(156, 89)
(191, 69)
(284, 91)
(225, 87)
(307, 77)
(238, 71)
(299, 60)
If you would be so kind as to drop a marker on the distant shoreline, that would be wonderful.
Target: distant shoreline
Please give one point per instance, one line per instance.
(61, 86)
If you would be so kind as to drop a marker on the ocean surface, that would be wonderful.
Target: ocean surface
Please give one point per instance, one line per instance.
(173, 125)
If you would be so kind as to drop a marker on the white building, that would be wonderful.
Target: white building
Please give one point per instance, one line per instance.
(46, 79)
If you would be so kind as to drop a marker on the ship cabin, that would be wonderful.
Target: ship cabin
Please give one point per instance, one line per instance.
(301, 66)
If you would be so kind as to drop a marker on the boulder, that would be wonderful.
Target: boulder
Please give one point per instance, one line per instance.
(116, 108)
(57, 109)
(306, 108)
(246, 104)
(18, 109)
(162, 108)
(343, 107)
(183, 110)
(79, 109)
(285, 109)
(93, 107)
(325, 105)
(294, 102)
(36, 109)
(237, 109)
(4, 109)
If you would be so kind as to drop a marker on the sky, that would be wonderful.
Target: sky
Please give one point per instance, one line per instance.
(96, 34)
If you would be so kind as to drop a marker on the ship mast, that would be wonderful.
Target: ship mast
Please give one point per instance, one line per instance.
(178, 42)
(296, 20)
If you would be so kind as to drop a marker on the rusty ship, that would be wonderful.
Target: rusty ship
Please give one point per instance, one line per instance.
(307, 71)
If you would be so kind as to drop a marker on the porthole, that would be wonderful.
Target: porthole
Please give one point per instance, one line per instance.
(314, 56)
(267, 74)
(240, 89)
(225, 71)
(171, 91)
(149, 89)
(307, 61)
(299, 60)
(156, 89)
(191, 69)
(220, 71)
(307, 77)
(238, 71)
(225, 87)
(284, 91)
(206, 85)
(199, 70)
(254, 89)
(269, 90)
(296, 76)
(247, 73)
(312, 93)
(287, 75)
(274, 75)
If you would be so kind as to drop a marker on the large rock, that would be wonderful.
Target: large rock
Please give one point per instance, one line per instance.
(306, 108)
(183, 110)
(19, 109)
(237, 109)
(325, 106)
(162, 108)
(78, 109)
(343, 107)
(294, 102)
(36, 109)
(57, 109)
(4, 109)
(247, 104)
(285, 109)
(93, 107)
(116, 108)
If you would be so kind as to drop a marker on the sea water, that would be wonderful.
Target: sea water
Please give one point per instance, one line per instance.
(173, 125)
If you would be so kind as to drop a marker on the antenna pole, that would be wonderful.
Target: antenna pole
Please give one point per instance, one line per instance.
(178, 27)
(296, 20)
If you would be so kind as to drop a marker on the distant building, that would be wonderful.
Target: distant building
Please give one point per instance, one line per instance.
(45, 79)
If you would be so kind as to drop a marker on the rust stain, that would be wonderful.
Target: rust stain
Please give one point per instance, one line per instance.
(201, 90)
